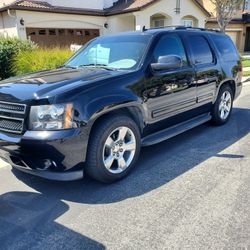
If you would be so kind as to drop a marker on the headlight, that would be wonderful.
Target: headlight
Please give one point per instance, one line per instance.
(51, 117)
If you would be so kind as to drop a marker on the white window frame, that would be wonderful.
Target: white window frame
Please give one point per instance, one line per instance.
(162, 21)
(247, 5)
(187, 22)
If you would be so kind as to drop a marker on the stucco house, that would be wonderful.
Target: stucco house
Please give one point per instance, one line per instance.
(238, 29)
(64, 22)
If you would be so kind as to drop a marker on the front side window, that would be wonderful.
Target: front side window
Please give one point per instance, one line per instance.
(117, 52)
(201, 50)
(170, 45)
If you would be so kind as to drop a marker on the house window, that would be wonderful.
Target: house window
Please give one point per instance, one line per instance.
(52, 32)
(42, 32)
(87, 33)
(246, 5)
(33, 33)
(159, 23)
(79, 33)
(61, 32)
(187, 23)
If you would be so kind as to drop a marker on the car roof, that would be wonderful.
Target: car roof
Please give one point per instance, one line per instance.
(181, 29)
(168, 29)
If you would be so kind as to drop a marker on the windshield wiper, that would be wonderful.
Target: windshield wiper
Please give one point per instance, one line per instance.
(68, 66)
(98, 65)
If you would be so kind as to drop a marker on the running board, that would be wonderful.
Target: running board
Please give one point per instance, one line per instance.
(175, 130)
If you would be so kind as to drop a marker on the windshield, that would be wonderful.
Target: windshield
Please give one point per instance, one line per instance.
(116, 52)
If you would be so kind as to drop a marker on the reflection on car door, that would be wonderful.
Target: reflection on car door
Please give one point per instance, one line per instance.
(206, 68)
(170, 92)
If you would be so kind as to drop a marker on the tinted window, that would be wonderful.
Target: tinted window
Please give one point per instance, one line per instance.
(170, 45)
(226, 47)
(200, 49)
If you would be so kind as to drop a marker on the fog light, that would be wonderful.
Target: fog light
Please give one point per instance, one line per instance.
(47, 163)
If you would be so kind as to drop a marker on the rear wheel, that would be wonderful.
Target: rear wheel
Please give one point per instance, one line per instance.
(223, 106)
(113, 149)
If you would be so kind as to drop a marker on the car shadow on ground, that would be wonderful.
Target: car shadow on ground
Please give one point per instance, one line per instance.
(28, 221)
(158, 164)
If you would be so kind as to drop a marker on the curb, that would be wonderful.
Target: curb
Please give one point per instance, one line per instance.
(3, 164)
(246, 82)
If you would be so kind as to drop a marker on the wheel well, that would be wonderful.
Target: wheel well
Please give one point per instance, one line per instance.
(133, 112)
(231, 84)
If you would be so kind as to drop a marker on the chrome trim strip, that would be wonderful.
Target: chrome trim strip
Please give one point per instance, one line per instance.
(11, 118)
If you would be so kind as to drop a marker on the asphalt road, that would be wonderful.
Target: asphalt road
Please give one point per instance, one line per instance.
(191, 192)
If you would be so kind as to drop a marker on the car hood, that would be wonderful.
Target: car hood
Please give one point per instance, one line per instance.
(46, 84)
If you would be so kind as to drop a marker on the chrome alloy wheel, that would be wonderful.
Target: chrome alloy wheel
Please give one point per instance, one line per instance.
(225, 105)
(119, 150)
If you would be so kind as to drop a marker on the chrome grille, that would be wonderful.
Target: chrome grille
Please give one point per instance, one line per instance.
(10, 125)
(12, 107)
(12, 117)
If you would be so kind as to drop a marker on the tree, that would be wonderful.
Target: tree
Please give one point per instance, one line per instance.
(225, 11)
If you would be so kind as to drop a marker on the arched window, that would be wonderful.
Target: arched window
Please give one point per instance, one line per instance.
(189, 21)
(159, 20)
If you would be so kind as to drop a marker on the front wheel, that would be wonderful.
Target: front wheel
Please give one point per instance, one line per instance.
(113, 149)
(222, 108)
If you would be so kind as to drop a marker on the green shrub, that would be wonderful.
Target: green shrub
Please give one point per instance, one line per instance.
(9, 48)
(246, 63)
(40, 59)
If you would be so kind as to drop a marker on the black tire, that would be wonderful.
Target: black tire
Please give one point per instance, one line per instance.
(95, 166)
(216, 117)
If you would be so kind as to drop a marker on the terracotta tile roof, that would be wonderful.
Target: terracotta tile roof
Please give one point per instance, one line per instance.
(46, 7)
(36, 4)
(121, 6)
(129, 5)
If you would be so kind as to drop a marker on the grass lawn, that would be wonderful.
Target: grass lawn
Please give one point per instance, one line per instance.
(246, 73)
(246, 63)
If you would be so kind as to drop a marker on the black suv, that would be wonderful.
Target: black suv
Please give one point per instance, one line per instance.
(116, 94)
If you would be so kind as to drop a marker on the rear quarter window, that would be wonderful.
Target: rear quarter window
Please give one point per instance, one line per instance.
(201, 51)
(226, 47)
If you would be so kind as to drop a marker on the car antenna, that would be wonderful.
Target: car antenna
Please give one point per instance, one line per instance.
(144, 28)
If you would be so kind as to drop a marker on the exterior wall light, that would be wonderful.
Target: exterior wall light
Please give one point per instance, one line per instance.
(22, 21)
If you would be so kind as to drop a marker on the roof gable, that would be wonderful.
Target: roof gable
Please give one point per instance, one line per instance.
(120, 7)
(134, 5)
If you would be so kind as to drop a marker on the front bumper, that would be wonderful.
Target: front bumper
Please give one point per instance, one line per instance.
(55, 155)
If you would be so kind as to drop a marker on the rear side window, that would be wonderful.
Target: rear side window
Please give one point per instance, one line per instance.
(200, 49)
(226, 47)
(170, 45)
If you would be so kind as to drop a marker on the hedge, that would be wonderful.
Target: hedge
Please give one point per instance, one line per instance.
(9, 48)
(40, 59)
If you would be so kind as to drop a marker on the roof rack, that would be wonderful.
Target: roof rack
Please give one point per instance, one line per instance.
(179, 27)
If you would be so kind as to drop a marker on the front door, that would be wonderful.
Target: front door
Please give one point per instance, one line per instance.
(247, 42)
(171, 92)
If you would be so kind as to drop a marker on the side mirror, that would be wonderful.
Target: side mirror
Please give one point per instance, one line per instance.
(167, 63)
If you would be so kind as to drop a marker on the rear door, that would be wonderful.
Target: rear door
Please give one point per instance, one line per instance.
(207, 69)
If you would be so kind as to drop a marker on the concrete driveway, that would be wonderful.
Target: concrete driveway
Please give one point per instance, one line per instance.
(191, 192)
